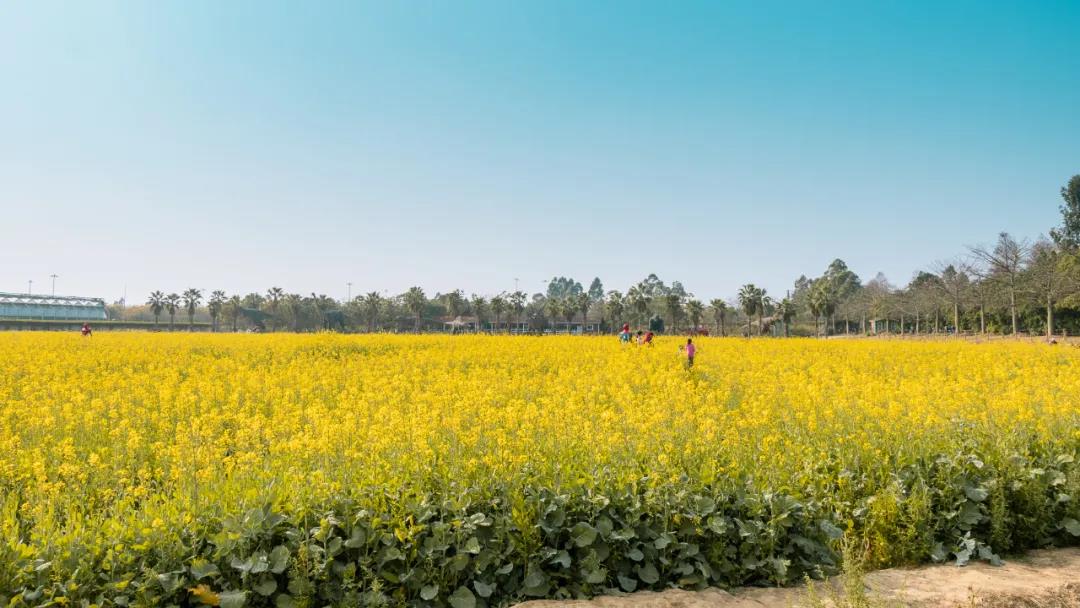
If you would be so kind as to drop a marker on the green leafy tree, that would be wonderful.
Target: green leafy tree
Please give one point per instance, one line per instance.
(1053, 275)
(596, 291)
(1068, 235)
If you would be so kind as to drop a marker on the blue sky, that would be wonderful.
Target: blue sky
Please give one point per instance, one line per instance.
(247, 144)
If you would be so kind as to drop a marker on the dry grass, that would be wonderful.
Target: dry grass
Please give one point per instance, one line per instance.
(1067, 596)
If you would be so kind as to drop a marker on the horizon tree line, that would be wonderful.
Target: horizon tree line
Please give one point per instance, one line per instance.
(1011, 286)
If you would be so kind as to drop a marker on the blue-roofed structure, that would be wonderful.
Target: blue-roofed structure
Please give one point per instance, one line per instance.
(50, 308)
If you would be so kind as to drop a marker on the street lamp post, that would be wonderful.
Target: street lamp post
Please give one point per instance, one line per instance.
(30, 287)
(54, 276)
(348, 292)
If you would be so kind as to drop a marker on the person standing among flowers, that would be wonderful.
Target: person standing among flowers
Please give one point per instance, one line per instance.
(690, 350)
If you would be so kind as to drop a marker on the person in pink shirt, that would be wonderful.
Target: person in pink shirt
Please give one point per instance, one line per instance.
(690, 349)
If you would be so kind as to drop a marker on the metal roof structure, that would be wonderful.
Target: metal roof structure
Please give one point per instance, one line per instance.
(33, 306)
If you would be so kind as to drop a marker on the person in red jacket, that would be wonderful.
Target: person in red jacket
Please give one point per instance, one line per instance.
(86, 331)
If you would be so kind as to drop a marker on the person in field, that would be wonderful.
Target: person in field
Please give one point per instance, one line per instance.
(86, 331)
(624, 334)
(648, 338)
(690, 350)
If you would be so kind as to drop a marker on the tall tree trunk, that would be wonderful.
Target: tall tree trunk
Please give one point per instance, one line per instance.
(723, 330)
(1049, 317)
(982, 318)
(862, 324)
(956, 317)
(917, 319)
(901, 324)
(1012, 310)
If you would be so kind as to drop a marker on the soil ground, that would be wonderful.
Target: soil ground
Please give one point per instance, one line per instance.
(1040, 579)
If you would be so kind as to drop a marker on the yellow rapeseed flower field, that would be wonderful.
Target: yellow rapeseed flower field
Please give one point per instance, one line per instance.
(316, 470)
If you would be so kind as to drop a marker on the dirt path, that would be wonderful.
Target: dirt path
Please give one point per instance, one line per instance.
(1040, 579)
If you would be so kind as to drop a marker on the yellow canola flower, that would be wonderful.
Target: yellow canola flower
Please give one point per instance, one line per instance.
(129, 432)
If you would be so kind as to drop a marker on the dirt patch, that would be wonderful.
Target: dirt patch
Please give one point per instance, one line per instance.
(1041, 579)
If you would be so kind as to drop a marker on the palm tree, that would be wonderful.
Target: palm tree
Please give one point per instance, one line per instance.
(569, 309)
(235, 305)
(479, 308)
(615, 306)
(217, 300)
(455, 302)
(786, 310)
(172, 304)
(764, 302)
(293, 303)
(822, 303)
(719, 311)
(192, 297)
(415, 300)
(583, 302)
(750, 300)
(371, 303)
(673, 304)
(157, 304)
(639, 298)
(274, 295)
(498, 306)
(695, 310)
(553, 307)
(517, 303)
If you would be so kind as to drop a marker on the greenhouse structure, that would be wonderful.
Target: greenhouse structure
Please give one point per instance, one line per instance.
(51, 308)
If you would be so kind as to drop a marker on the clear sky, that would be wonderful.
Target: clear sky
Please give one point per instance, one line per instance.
(240, 145)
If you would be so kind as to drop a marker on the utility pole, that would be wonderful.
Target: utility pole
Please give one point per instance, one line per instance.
(515, 284)
(30, 287)
(53, 276)
(348, 292)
